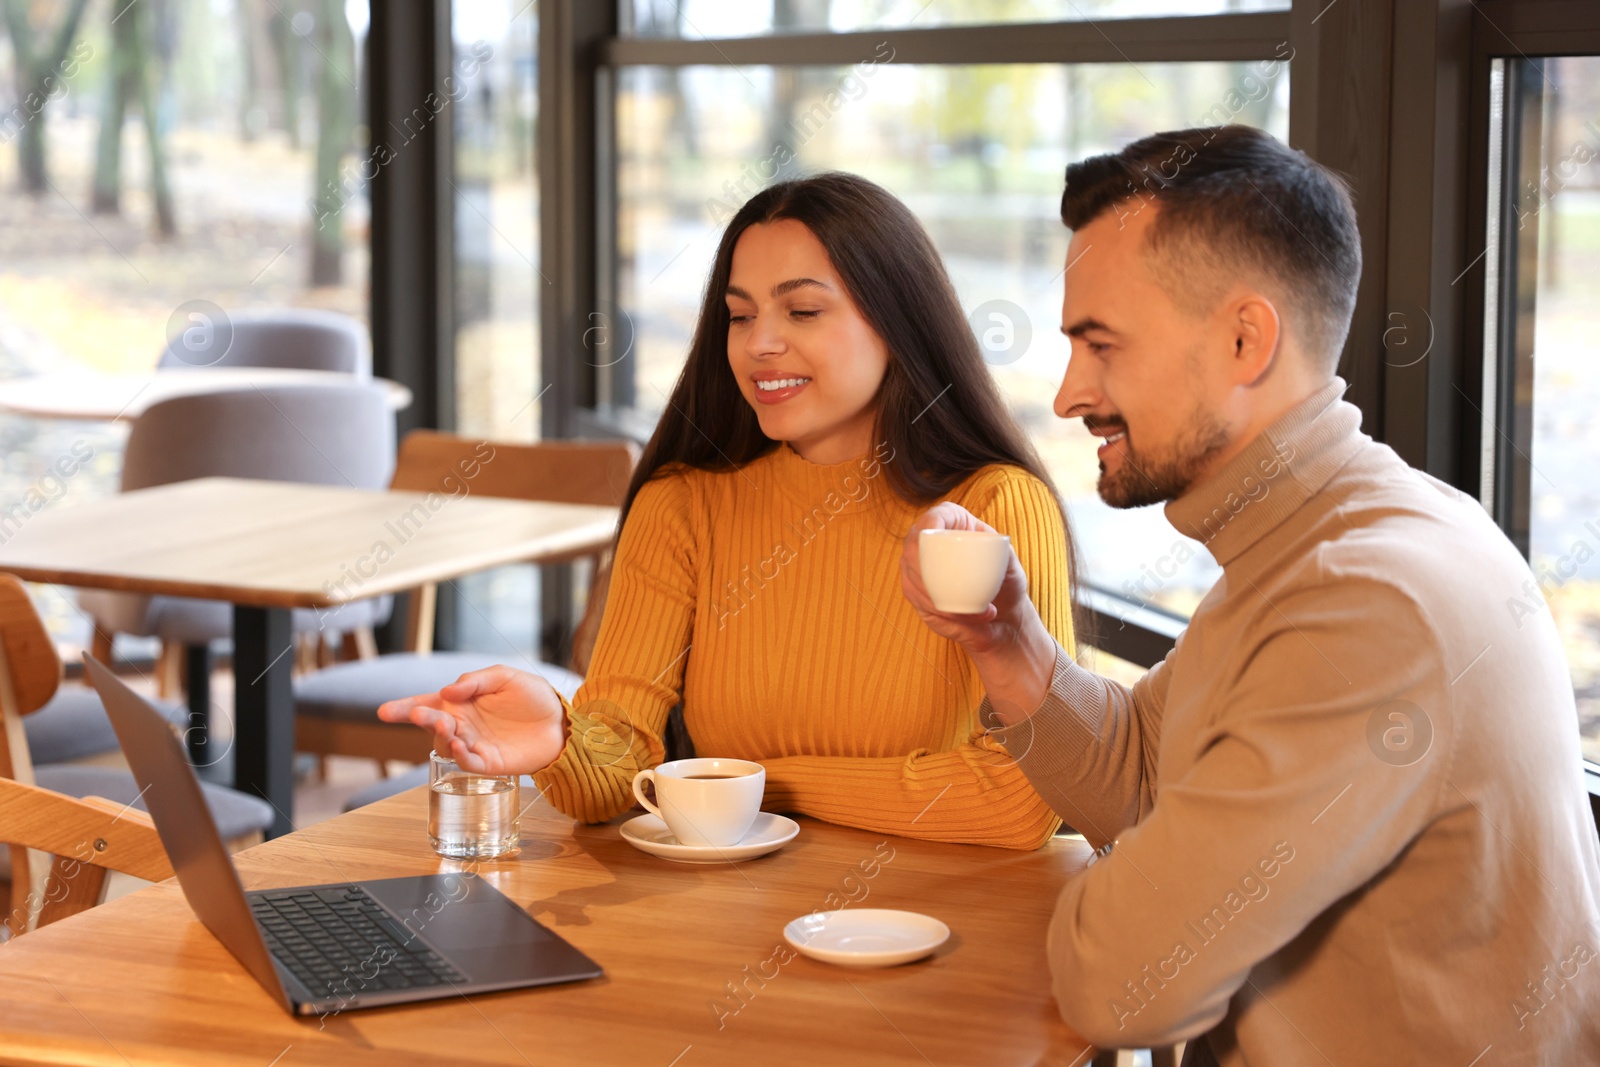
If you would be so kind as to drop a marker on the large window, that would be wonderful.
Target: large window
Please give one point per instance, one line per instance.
(977, 152)
(1542, 348)
(495, 192)
(157, 154)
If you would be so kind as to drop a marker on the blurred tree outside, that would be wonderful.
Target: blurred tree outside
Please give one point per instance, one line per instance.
(284, 31)
(792, 87)
(135, 26)
(38, 67)
(336, 126)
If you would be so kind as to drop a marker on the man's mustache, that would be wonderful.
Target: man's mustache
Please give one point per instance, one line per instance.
(1099, 422)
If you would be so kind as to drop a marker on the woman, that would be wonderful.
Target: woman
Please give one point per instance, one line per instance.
(833, 390)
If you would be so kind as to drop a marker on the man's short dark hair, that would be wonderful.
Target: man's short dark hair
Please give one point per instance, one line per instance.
(1239, 205)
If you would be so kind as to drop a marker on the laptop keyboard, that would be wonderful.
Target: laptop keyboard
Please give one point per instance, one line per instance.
(341, 940)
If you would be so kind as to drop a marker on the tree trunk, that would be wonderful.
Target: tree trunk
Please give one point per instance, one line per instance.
(160, 189)
(335, 131)
(250, 72)
(147, 73)
(792, 86)
(37, 72)
(285, 51)
(120, 87)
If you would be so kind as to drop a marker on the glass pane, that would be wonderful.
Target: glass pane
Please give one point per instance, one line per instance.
(1548, 244)
(740, 18)
(225, 167)
(496, 204)
(496, 193)
(978, 154)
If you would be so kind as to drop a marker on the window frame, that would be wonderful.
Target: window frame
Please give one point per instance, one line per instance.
(1503, 29)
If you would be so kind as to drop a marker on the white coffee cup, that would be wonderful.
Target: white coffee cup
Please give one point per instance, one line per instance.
(705, 801)
(962, 570)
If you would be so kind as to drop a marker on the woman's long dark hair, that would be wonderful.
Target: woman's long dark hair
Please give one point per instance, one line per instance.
(936, 377)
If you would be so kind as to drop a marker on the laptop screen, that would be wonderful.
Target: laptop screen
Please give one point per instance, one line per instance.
(171, 794)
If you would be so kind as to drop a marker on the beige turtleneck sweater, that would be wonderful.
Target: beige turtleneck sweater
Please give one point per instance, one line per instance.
(1348, 807)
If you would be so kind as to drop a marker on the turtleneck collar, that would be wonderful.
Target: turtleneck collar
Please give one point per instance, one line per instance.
(839, 487)
(1276, 473)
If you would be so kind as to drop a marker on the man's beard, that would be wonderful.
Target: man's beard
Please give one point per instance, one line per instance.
(1156, 479)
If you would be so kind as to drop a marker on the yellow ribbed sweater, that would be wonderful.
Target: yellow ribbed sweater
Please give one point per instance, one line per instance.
(767, 599)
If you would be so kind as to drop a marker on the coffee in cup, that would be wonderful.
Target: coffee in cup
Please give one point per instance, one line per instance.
(962, 570)
(707, 801)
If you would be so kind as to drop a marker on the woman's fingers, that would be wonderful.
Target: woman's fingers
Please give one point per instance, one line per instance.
(478, 683)
(466, 758)
(403, 710)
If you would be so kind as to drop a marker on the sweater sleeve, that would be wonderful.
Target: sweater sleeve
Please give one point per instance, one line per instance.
(1090, 749)
(616, 718)
(1320, 766)
(974, 793)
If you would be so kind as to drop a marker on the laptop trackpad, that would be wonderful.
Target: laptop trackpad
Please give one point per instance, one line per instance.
(480, 929)
(455, 911)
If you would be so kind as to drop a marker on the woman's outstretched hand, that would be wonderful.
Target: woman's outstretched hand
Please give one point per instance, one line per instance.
(494, 721)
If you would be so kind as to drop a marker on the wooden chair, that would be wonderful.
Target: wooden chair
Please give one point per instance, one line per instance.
(85, 839)
(58, 805)
(336, 708)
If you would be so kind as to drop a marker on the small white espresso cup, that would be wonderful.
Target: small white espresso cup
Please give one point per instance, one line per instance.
(963, 569)
(705, 801)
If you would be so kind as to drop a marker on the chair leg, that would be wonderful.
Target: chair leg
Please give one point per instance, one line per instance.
(100, 645)
(1164, 1057)
(366, 642)
(169, 670)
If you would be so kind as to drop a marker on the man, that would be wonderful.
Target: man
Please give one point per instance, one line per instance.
(1347, 809)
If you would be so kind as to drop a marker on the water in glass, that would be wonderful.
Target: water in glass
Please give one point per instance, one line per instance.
(471, 815)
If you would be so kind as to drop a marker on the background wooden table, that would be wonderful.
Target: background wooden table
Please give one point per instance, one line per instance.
(140, 981)
(268, 547)
(105, 397)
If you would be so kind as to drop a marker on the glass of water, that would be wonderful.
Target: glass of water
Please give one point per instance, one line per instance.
(471, 815)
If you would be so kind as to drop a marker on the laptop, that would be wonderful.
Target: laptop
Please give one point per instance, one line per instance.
(322, 949)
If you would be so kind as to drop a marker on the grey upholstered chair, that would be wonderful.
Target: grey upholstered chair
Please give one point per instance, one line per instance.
(73, 726)
(292, 338)
(323, 434)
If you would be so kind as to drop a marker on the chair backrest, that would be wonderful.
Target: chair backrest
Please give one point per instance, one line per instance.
(318, 434)
(564, 472)
(292, 338)
(30, 673)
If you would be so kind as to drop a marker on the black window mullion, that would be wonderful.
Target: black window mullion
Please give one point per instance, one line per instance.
(1221, 38)
(1518, 211)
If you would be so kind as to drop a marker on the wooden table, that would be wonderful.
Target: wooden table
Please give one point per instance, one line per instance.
(108, 397)
(268, 547)
(140, 981)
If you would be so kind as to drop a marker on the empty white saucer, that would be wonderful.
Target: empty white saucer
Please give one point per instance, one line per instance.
(866, 937)
(768, 833)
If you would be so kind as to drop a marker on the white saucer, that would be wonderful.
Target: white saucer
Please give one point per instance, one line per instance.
(768, 833)
(866, 937)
